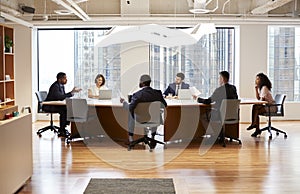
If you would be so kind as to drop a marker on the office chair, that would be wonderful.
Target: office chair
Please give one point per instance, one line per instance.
(229, 114)
(279, 101)
(147, 115)
(78, 112)
(41, 96)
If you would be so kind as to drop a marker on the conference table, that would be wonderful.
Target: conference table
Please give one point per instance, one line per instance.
(183, 119)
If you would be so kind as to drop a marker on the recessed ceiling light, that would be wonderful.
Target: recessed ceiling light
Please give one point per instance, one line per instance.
(201, 11)
(63, 12)
(80, 1)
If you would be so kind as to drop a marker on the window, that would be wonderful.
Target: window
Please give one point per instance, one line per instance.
(201, 63)
(284, 56)
(74, 53)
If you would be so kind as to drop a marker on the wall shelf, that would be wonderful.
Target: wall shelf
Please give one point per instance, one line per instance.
(7, 68)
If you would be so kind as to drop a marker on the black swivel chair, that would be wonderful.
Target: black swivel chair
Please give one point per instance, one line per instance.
(78, 112)
(279, 101)
(147, 115)
(230, 114)
(41, 96)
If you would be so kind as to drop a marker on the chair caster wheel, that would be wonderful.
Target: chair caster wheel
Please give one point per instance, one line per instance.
(68, 141)
(285, 136)
(277, 133)
(270, 137)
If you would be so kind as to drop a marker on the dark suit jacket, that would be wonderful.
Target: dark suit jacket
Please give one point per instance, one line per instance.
(57, 93)
(226, 91)
(172, 87)
(147, 94)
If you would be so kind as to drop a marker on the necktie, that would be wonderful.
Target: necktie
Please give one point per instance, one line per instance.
(176, 91)
(62, 89)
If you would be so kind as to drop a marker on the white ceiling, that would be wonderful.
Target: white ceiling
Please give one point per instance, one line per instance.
(149, 11)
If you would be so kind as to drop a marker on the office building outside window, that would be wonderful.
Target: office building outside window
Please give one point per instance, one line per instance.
(78, 57)
(284, 57)
(201, 62)
(91, 60)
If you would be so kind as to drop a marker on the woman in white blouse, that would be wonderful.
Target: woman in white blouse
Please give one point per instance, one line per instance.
(263, 92)
(93, 91)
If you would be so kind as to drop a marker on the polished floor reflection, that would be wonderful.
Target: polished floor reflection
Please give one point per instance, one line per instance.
(259, 165)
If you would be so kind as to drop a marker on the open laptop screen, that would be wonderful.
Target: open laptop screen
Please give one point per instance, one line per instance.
(184, 94)
(105, 94)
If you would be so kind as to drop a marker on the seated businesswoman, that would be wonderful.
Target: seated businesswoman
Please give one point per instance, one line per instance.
(174, 87)
(263, 92)
(93, 91)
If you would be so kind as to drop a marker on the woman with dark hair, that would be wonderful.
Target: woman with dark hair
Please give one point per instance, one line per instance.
(263, 92)
(93, 91)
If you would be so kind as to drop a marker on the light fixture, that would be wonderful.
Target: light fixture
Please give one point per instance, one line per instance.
(201, 29)
(79, 9)
(200, 7)
(80, 1)
(16, 20)
(63, 12)
(156, 34)
(199, 11)
(71, 9)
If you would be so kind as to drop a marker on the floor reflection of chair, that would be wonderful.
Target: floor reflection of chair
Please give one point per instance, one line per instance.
(41, 96)
(279, 101)
(78, 113)
(147, 115)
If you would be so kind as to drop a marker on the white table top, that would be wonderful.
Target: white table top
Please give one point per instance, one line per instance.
(170, 102)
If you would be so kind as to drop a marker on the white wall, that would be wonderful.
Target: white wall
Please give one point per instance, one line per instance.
(23, 66)
(253, 59)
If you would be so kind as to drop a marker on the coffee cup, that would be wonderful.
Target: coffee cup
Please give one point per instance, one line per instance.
(7, 77)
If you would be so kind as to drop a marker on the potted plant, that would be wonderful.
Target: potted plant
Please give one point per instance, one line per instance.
(8, 44)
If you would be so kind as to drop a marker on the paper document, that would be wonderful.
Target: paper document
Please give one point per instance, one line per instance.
(195, 91)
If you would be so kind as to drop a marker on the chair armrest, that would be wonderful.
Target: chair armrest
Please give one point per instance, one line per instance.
(269, 105)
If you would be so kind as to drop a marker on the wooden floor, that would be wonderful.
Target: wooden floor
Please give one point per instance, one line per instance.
(256, 166)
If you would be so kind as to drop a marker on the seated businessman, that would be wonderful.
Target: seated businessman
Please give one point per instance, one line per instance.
(224, 91)
(172, 90)
(146, 94)
(57, 92)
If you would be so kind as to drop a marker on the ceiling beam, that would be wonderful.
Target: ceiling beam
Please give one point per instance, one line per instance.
(296, 9)
(270, 5)
(71, 9)
(16, 20)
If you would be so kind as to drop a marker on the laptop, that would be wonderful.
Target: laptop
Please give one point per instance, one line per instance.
(184, 94)
(105, 94)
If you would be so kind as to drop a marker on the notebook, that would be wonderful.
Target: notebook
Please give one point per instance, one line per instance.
(184, 94)
(105, 94)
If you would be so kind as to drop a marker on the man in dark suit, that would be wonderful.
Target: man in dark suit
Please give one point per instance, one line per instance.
(225, 91)
(57, 92)
(178, 84)
(146, 94)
